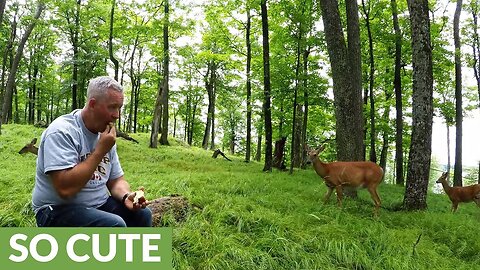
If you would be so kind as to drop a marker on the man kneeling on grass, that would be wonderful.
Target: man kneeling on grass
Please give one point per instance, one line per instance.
(79, 181)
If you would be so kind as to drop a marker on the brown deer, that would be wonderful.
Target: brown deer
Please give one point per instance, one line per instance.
(460, 194)
(354, 174)
(30, 147)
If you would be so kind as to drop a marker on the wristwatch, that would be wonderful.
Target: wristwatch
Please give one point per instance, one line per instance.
(125, 197)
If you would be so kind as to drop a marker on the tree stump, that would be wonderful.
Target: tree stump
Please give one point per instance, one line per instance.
(278, 161)
(175, 204)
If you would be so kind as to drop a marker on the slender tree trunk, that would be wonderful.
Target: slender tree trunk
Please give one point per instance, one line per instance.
(295, 145)
(7, 105)
(8, 48)
(166, 63)
(448, 147)
(371, 80)
(306, 53)
(457, 178)
(258, 153)
(476, 56)
(2, 10)
(192, 125)
(210, 78)
(267, 113)
(133, 82)
(75, 45)
(156, 118)
(249, 87)
(212, 139)
(110, 41)
(397, 82)
(422, 108)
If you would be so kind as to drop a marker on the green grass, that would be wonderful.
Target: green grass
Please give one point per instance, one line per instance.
(255, 220)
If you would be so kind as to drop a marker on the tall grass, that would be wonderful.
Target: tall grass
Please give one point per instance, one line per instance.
(248, 219)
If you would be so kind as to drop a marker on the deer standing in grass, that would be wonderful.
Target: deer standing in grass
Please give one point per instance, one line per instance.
(347, 173)
(460, 194)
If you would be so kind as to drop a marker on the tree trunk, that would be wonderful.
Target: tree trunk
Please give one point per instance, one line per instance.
(258, 154)
(347, 79)
(7, 105)
(397, 82)
(212, 139)
(132, 78)
(278, 156)
(2, 10)
(476, 56)
(156, 118)
(249, 87)
(267, 113)
(306, 53)
(295, 145)
(422, 108)
(110, 41)
(448, 147)
(210, 78)
(371, 80)
(457, 178)
(166, 63)
(75, 45)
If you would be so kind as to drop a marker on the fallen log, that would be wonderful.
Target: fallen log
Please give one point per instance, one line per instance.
(126, 136)
(218, 152)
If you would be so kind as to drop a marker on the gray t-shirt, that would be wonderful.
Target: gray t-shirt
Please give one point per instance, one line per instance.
(64, 144)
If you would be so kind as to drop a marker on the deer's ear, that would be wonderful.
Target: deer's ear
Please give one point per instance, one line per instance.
(321, 148)
(34, 141)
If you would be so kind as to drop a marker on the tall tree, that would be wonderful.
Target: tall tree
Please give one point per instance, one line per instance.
(422, 112)
(267, 113)
(2, 10)
(457, 178)
(476, 54)
(397, 84)
(249, 84)
(110, 40)
(74, 30)
(296, 128)
(7, 104)
(347, 80)
(166, 63)
(346, 75)
(371, 79)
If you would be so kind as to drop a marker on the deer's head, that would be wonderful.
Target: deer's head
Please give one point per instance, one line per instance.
(30, 147)
(442, 178)
(313, 153)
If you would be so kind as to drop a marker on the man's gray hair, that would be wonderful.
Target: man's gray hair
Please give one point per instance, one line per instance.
(98, 87)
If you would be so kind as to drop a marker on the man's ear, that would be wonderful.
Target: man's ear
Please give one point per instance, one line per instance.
(92, 102)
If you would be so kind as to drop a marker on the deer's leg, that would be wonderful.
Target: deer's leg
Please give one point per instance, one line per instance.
(339, 191)
(327, 195)
(375, 198)
(476, 199)
(454, 207)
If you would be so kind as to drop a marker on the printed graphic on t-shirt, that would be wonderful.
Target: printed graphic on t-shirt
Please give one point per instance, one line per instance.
(99, 177)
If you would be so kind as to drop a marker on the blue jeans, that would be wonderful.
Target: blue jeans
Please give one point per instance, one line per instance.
(111, 214)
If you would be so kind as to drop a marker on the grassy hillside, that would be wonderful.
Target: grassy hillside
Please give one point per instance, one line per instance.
(255, 220)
